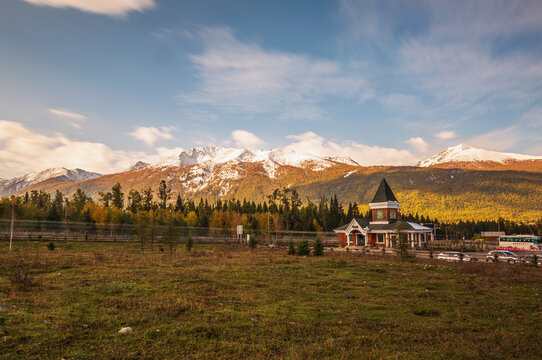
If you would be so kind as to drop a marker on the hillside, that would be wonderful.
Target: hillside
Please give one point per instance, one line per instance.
(447, 194)
(467, 157)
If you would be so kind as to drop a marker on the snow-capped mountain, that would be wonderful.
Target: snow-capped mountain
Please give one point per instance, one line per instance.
(138, 165)
(10, 186)
(466, 154)
(210, 156)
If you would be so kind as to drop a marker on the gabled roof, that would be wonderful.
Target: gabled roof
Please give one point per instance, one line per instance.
(384, 193)
(361, 222)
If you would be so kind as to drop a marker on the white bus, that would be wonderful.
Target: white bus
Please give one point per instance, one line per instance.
(518, 243)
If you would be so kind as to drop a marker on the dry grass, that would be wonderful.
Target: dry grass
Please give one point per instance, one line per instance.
(230, 302)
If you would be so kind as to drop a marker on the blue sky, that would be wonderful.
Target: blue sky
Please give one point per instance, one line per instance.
(100, 84)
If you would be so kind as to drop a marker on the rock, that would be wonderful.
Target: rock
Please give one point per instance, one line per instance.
(126, 330)
(46, 322)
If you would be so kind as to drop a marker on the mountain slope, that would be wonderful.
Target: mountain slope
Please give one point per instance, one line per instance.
(450, 190)
(10, 186)
(467, 157)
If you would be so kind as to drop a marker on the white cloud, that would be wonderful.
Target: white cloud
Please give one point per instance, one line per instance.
(445, 135)
(149, 135)
(418, 144)
(237, 77)
(364, 155)
(247, 139)
(499, 139)
(67, 114)
(24, 150)
(116, 8)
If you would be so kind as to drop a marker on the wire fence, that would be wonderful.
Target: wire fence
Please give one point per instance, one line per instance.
(31, 230)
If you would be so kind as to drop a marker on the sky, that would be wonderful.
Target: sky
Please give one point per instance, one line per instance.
(101, 84)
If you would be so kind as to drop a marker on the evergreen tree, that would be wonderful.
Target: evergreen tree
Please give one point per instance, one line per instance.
(318, 249)
(164, 194)
(189, 242)
(303, 248)
(117, 196)
(291, 248)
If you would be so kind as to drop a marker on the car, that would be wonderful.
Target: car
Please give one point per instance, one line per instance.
(502, 256)
(453, 256)
(529, 259)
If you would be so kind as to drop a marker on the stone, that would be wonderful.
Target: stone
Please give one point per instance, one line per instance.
(126, 330)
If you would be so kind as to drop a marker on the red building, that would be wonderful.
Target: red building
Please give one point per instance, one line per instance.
(381, 230)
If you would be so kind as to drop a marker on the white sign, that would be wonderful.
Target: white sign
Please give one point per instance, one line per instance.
(239, 229)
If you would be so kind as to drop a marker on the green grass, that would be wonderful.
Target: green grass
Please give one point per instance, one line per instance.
(230, 302)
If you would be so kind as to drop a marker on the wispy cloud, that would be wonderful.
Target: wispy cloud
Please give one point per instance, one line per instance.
(364, 155)
(149, 134)
(446, 135)
(247, 139)
(418, 144)
(463, 60)
(236, 77)
(67, 114)
(116, 8)
(24, 150)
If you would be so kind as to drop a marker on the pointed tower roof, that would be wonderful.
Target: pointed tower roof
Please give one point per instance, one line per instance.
(384, 193)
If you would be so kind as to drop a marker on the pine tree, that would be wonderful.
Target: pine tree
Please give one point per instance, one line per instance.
(117, 196)
(318, 249)
(164, 194)
(291, 248)
(189, 242)
(303, 248)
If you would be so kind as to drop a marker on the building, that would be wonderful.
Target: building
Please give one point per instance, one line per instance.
(381, 230)
(492, 235)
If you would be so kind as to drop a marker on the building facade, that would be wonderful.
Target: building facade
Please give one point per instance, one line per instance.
(381, 229)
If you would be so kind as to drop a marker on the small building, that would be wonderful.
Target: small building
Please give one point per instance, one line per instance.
(492, 235)
(381, 230)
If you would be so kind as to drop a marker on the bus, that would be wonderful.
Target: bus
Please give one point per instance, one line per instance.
(518, 243)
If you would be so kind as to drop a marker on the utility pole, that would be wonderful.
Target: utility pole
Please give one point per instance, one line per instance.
(12, 225)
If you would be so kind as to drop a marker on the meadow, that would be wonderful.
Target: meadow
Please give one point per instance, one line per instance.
(230, 302)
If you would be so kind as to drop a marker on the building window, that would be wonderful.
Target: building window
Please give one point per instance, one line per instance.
(379, 214)
(393, 214)
(380, 238)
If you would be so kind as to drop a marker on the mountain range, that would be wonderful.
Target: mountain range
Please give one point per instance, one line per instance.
(459, 183)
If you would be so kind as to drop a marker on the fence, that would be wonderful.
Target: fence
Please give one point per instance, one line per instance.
(30, 230)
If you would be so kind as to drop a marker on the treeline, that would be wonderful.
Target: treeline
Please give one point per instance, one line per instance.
(283, 210)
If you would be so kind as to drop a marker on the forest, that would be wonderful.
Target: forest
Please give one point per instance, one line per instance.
(283, 210)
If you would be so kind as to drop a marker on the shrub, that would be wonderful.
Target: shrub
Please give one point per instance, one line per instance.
(20, 275)
(318, 249)
(252, 242)
(51, 246)
(189, 242)
(303, 248)
(291, 248)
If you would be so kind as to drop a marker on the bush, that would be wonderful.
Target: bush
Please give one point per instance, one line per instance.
(252, 242)
(189, 242)
(20, 275)
(318, 249)
(303, 248)
(291, 248)
(51, 246)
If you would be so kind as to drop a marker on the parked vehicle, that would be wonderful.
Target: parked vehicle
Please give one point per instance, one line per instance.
(453, 256)
(503, 256)
(529, 259)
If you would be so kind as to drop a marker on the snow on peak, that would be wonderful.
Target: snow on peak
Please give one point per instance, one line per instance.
(138, 165)
(466, 153)
(212, 155)
(10, 186)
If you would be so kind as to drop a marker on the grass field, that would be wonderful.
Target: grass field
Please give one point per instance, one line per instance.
(230, 302)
